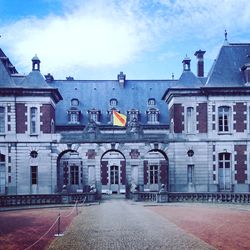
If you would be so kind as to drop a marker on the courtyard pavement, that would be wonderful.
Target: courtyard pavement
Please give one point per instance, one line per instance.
(123, 224)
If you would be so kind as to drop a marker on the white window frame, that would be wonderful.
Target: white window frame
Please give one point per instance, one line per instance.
(36, 120)
(190, 173)
(153, 172)
(190, 120)
(224, 162)
(226, 116)
(153, 116)
(3, 121)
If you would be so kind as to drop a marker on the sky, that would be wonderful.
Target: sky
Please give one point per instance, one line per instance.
(96, 39)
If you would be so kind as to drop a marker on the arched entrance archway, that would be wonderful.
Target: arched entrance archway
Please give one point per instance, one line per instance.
(113, 172)
(69, 171)
(155, 166)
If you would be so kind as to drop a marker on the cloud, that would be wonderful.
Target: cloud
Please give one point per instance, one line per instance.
(88, 35)
(98, 34)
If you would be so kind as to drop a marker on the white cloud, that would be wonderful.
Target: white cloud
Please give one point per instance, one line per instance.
(94, 34)
(90, 35)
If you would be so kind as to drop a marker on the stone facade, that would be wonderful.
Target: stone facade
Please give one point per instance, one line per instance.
(194, 139)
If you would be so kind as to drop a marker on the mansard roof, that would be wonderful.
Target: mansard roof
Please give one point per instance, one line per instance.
(6, 68)
(226, 70)
(189, 80)
(34, 80)
(134, 94)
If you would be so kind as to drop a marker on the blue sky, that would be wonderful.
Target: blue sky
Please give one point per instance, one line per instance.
(96, 39)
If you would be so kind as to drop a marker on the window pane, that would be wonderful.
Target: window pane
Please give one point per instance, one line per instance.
(2, 119)
(74, 175)
(33, 120)
(33, 175)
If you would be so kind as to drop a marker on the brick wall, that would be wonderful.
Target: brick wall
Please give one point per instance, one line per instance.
(21, 118)
(164, 172)
(47, 115)
(240, 117)
(177, 114)
(123, 172)
(104, 172)
(240, 163)
(202, 117)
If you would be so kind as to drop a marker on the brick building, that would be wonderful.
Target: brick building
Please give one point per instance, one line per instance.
(191, 134)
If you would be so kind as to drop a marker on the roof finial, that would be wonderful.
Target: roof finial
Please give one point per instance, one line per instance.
(172, 76)
(225, 35)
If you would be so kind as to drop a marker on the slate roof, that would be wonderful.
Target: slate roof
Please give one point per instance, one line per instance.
(34, 80)
(6, 68)
(189, 80)
(97, 94)
(226, 71)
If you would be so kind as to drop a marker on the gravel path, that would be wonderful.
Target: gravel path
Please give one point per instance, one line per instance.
(121, 224)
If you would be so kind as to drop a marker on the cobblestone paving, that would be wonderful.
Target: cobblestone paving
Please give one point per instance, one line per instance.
(121, 224)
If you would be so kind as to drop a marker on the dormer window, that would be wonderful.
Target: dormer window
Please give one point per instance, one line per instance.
(74, 102)
(133, 114)
(74, 115)
(151, 101)
(113, 102)
(153, 116)
(110, 114)
(94, 115)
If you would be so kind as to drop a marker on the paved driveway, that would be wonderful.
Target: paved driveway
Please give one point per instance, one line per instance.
(122, 224)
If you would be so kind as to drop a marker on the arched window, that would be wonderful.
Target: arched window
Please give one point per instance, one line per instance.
(190, 121)
(113, 102)
(74, 102)
(224, 117)
(224, 171)
(151, 101)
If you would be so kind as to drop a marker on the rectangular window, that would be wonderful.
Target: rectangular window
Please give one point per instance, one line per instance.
(9, 108)
(190, 120)
(2, 174)
(153, 174)
(190, 174)
(74, 175)
(33, 120)
(224, 171)
(34, 175)
(2, 120)
(9, 179)
(114, 175)
(223, 119)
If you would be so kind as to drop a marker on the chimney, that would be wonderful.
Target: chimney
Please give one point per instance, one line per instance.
(121, 79)
(200, 62)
